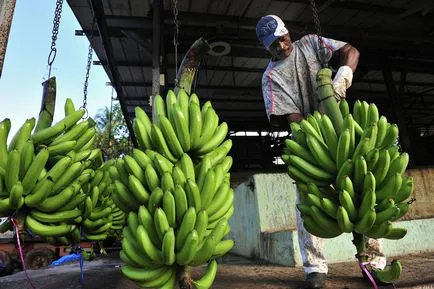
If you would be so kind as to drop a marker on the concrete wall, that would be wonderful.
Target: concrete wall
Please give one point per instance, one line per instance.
(263, 224)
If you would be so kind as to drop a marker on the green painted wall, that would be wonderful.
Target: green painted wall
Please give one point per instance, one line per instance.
(263, 226)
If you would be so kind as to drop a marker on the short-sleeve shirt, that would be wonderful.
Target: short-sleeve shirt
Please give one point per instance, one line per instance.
(289, 85)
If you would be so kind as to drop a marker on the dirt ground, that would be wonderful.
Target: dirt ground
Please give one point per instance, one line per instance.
(234, 272)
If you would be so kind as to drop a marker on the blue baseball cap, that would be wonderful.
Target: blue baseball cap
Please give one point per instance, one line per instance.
(270, 28)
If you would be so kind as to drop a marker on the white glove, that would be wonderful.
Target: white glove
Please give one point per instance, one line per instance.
(342, 80)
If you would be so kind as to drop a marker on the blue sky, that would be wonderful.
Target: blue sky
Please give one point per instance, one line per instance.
(26, 67)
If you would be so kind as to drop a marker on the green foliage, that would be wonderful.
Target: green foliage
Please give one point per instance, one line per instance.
(112, 135)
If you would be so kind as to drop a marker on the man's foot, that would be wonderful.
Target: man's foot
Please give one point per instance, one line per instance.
(315, 280)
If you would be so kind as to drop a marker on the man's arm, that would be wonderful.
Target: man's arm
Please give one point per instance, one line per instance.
(349, 55)
(348, 60)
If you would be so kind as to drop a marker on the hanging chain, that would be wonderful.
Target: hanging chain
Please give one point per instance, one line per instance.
(89, 64)
(55, 31)
(175, 37)
(318, 32)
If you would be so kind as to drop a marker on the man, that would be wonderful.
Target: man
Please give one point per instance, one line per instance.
(289, 91)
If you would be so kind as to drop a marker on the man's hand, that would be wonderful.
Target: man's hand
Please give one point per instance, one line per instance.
(342, 81)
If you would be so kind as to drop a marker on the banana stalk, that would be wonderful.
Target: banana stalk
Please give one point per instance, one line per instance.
(185, 280)
(190, 65)
(327, 98)
(48, 104)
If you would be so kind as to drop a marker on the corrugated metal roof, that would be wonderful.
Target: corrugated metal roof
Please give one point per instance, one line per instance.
(395, 36)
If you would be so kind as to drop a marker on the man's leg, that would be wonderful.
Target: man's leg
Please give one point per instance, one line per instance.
(311, 248)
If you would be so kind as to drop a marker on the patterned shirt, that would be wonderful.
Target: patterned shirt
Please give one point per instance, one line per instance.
(289, 85)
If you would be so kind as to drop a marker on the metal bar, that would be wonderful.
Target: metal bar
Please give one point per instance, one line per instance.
(397, 109)
(98, 10)
(155, 48)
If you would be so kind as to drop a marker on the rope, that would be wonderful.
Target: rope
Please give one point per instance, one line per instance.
(20, 249)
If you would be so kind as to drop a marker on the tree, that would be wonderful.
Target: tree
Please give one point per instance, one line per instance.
(112, 135)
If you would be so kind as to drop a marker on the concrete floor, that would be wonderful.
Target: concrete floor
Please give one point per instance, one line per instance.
(234, 272)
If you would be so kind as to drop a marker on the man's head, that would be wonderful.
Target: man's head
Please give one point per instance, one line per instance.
(274, 36)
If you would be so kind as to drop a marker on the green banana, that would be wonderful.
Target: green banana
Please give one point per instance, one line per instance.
(321, 154)
(222, 248)
(343, 148)
(16, 199)
(12, 169)
(22, 135)
(138, 189)
(5, 127)
(151, 178)
(366, 222)
(181, 203)
(47, 230)
(181, 127)
(41, 191)
(160, 143)
(134, 168)
(360, 170)
(167, 183)
(193, 194)
(330, 136)
(146, 220)
(171, 137)
(145, 124)
(208, 278)
(209, 124)
(146, 245)
(169, 208)
(215, 140)
(187, 224)
(405, 190)
(379, 230)
(389, 188)
(155, 200)
(390, 137)
(141, 158)
(188, 249)
(396, 233)
(324, 221)
(158, 108)
(386, 215)
(345, 170)
(373, 115)
(26, 159)
(309, 169)
(142, 274)
(343, 220)
(382, 129)
(38, 164)
(390, 275)
(347, 202)
(195, 123)
(168, 247)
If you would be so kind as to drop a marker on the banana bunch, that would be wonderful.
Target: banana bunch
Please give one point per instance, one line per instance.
(175, 190)
(180, 125)
(351, 181)
(99, 213)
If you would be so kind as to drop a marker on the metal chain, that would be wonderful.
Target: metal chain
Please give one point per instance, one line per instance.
(318, 32)
(55, 31)
(89, 64)
(175, 37)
